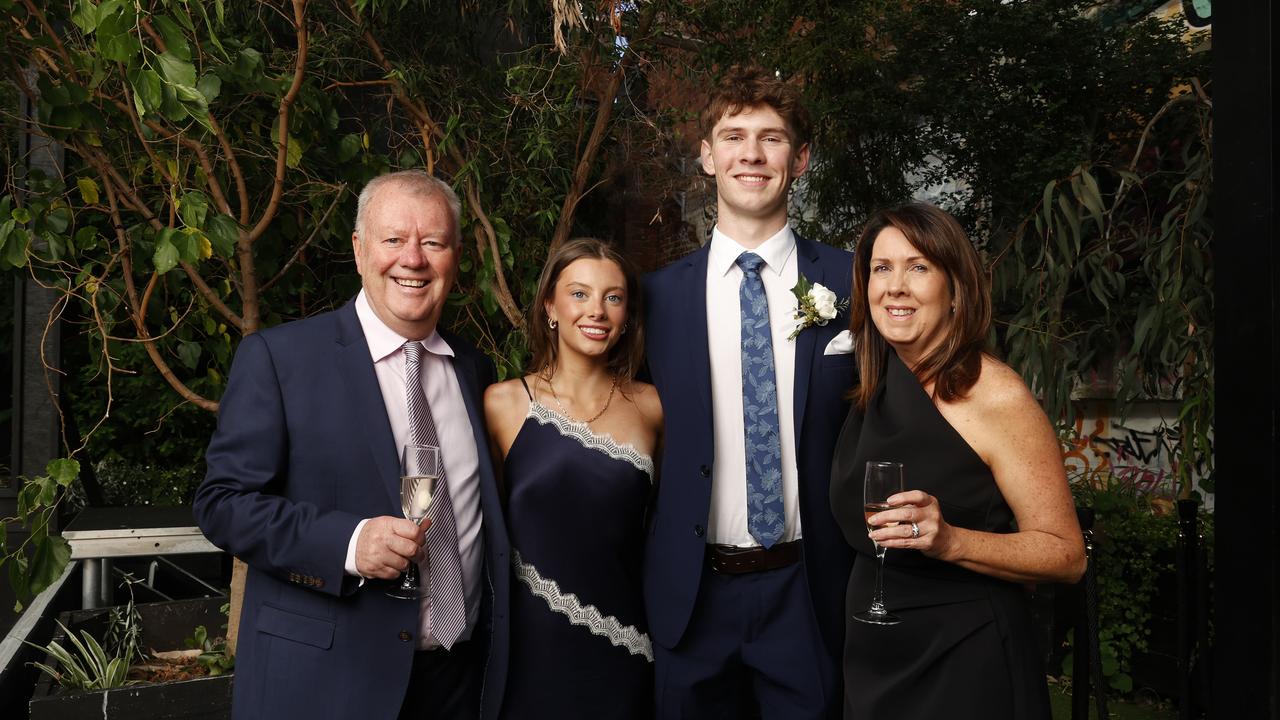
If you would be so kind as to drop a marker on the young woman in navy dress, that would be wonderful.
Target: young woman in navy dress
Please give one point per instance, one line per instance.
(575, 440)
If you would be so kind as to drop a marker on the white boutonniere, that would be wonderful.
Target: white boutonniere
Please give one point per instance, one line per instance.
(815, 305)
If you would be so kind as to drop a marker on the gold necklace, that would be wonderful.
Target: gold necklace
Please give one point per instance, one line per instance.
(564, 411)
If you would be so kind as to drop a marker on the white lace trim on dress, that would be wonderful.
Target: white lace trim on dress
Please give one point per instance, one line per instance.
(588, 616)
(591, 440)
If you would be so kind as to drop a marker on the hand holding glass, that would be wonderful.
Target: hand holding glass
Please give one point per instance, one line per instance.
(883, 480)
(419, 472)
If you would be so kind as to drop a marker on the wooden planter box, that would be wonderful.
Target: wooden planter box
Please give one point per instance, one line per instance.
(164, 627)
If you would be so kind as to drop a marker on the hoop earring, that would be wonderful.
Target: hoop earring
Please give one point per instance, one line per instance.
(553, 324)
(624, 329)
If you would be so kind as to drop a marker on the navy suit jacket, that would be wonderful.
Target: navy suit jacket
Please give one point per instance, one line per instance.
(303, 451)
(679, 365)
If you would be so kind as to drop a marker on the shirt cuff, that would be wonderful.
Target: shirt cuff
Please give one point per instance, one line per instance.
(350, 566)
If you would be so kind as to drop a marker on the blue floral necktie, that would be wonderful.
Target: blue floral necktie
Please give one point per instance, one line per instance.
(765, 518)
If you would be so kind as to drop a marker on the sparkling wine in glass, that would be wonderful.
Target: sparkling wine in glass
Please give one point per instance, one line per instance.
(419, 473)
(883, 479)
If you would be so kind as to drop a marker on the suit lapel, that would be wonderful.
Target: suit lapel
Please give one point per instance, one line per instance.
(807, 255)
(694, 284)
(364, 396)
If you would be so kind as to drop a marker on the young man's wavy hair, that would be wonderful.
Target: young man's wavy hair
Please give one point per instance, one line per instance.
(744, 87)
(626, 356)
(955, 364)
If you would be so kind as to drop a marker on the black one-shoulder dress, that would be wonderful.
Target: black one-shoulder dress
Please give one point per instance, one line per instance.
(965, 647)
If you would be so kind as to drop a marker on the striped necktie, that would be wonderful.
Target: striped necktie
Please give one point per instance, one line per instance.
(444, 565)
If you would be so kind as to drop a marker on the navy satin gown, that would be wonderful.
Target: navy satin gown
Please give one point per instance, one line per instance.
(965, 647)
(576, 512)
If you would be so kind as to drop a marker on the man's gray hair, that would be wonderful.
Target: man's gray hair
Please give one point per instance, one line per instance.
(416, 182)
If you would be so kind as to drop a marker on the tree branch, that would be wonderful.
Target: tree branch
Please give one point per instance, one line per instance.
(202, 155)
(47, 29)
(51, 64)
(505, 299)
(100, 280)
(138, 313)
(286, 104)
(604, 114)
(315, 230)
(126, 106)
(108, 171)
(1123, 189)
(242, 191)
(356, 83)
(248, 272)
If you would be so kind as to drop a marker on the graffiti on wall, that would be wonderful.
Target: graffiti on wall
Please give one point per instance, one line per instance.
(1138, 452)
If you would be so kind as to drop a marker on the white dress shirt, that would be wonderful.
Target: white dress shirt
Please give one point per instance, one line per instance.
(457, 449)
(727, 523)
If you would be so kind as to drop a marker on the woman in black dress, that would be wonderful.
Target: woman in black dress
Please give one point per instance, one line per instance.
(575, 439)
(987, 508)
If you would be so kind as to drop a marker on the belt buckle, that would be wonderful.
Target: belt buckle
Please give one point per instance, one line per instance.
(732, 560)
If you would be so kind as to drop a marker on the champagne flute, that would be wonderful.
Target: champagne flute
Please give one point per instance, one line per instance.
(419, 473)
(883, 480)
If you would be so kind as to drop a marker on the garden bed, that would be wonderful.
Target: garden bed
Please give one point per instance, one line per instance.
(184, 690)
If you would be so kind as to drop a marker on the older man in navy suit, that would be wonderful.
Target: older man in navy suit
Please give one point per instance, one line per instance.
(303, 485)
(745, 567)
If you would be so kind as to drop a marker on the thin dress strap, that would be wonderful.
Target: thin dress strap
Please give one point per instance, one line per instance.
(526, 388)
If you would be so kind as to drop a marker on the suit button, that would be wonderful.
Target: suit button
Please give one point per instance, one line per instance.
(697, 530)
(705, 471)
(405, 636)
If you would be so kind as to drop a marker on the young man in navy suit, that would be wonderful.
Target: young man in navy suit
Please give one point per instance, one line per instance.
(303, 484)
(745, 567)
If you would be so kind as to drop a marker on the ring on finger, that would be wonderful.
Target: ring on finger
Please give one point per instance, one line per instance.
(915, 531)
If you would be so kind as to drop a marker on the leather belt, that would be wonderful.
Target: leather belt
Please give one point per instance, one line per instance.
(731, 560)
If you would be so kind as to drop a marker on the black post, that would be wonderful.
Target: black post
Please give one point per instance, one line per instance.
(1188, 551)
(1080, 648)
(1200, 668)
(1084, 646)
(1246, 600)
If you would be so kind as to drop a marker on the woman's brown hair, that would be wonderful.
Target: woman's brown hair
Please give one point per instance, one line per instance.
(626, 356)
(955, 364)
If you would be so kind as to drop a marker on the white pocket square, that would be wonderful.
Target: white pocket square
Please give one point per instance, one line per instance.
(841, 344)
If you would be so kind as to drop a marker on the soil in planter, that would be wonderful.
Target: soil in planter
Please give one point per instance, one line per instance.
(169, 667)
(167, 671)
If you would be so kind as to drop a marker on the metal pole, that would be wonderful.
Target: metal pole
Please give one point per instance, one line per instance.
(90, 583)
(106, 594)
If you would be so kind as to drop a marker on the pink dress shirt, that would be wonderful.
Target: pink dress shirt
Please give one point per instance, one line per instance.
(457, 447)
